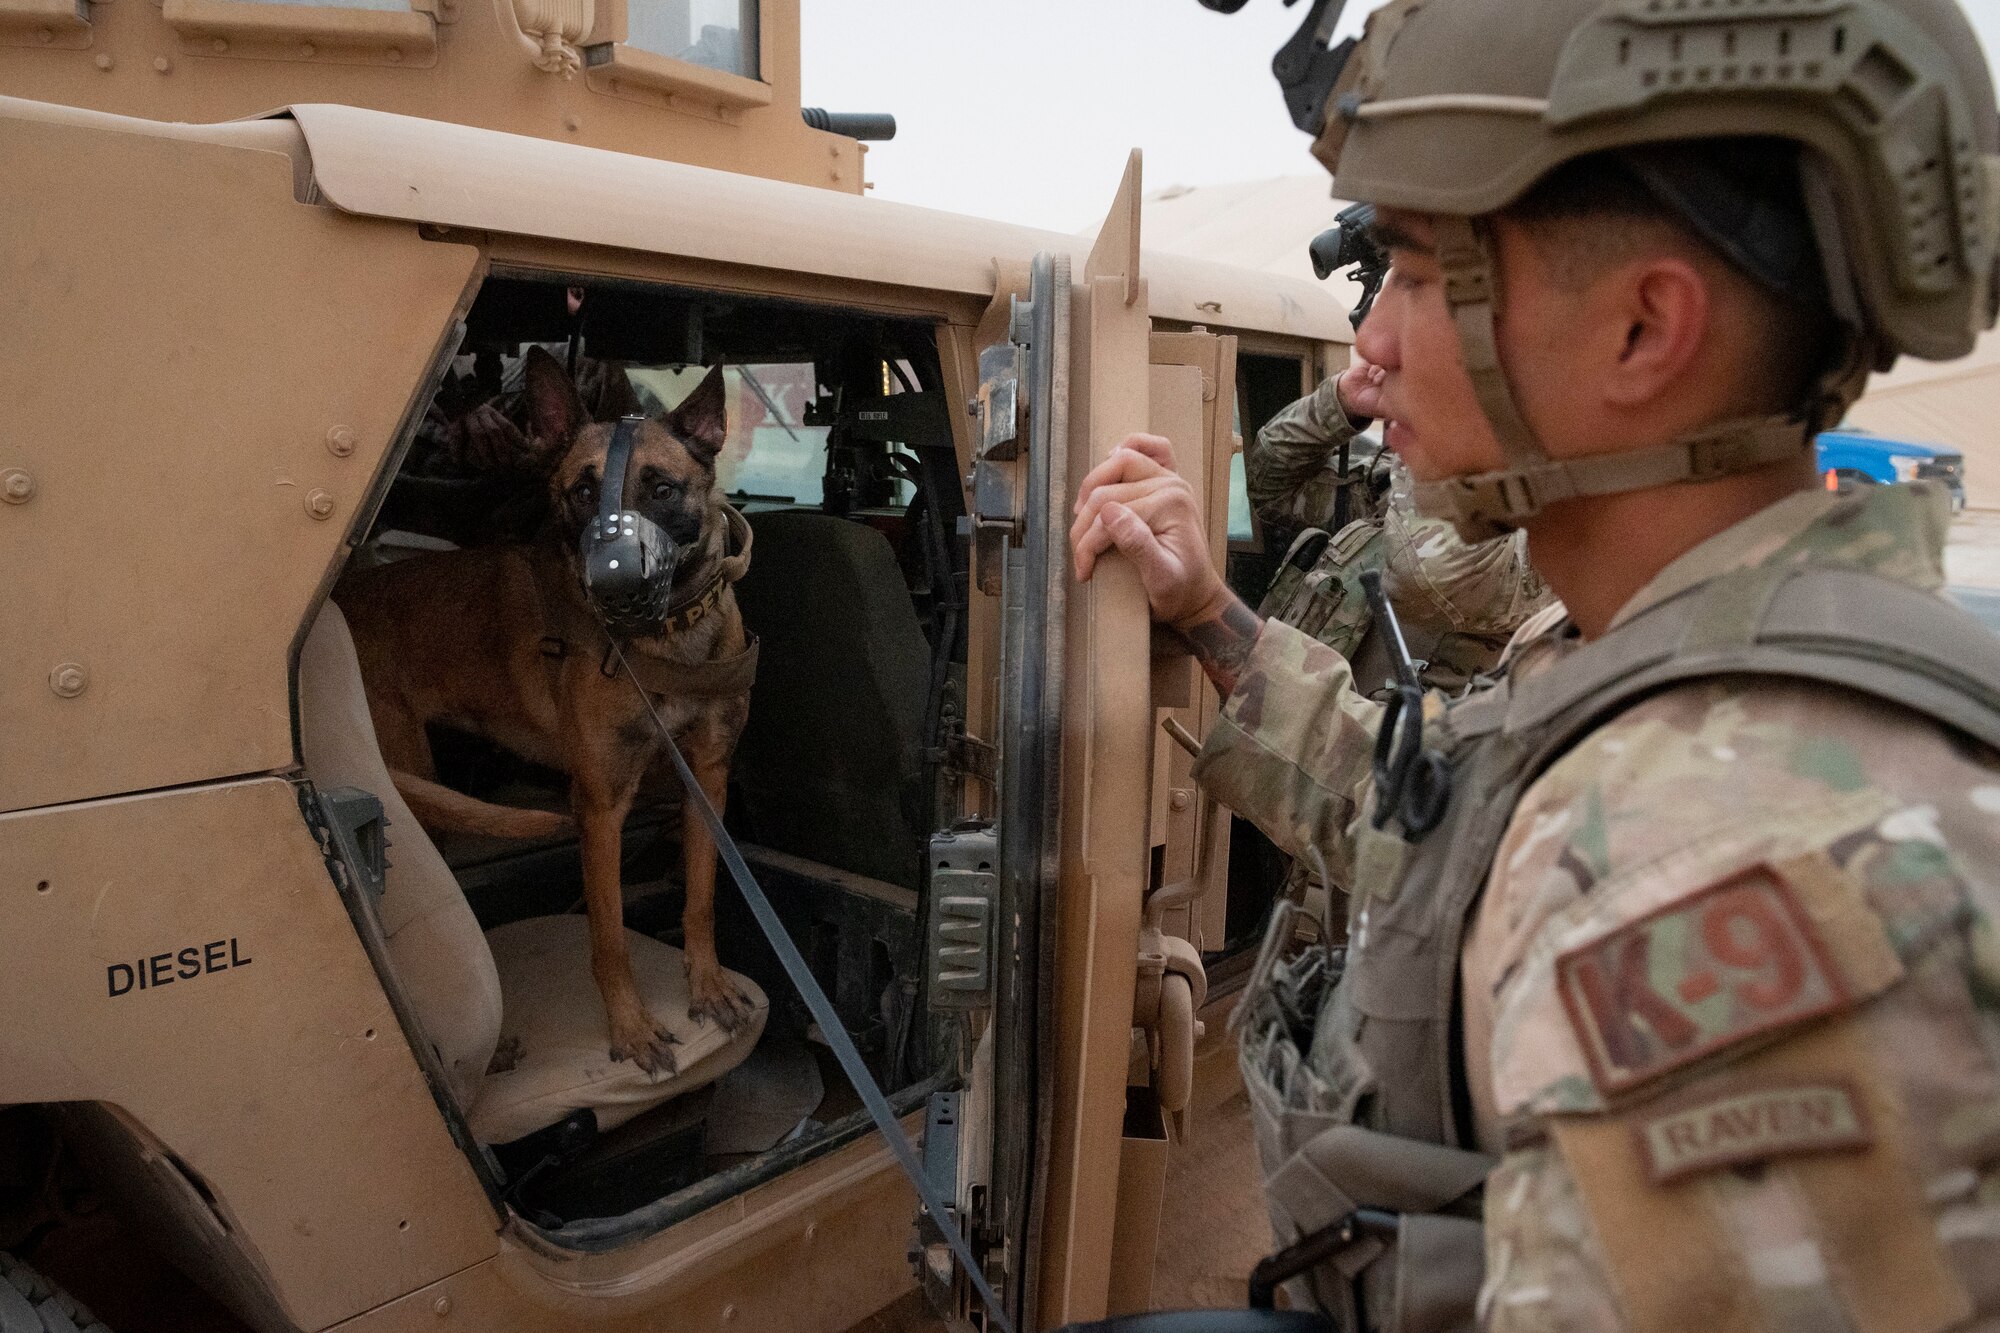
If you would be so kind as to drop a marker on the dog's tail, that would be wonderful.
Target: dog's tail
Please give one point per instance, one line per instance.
(437, 806)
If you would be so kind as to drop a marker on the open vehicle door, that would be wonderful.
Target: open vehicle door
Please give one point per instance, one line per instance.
(1056, 1150)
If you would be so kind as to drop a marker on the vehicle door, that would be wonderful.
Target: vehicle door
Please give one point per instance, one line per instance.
(1100, 851)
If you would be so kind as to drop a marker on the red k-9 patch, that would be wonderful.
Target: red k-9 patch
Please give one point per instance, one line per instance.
(1734, 960)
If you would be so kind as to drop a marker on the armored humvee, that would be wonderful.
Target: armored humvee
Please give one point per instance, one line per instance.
(254, 1008)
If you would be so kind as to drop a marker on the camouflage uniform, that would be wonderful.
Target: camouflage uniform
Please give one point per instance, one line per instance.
(1729, 996)
(1292, 470)
(1458, 604)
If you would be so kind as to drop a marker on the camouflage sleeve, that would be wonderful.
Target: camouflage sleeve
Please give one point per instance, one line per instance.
(1290, 749)
(1459, 603)
(1291, 470)
(1744, 1010)
(1435, 578)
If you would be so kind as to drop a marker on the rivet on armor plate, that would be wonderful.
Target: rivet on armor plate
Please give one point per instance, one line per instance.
(340, 440)
(319, 503)
(68, 679)
(16, 486)
(441, 1306)
(162, 64)
(103, 60)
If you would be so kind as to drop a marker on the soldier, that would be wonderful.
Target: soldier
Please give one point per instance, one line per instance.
(1678, 1010)
(1458, 604)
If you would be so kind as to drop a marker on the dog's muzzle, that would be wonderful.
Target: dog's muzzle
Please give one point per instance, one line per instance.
(628, 560)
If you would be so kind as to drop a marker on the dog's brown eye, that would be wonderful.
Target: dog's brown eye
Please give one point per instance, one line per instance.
(665, 490)
(584, 491)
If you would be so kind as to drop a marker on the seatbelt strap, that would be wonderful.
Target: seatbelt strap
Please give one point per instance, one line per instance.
(823, 1013)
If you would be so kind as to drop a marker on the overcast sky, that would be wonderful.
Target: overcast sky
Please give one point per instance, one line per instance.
(1023, 110)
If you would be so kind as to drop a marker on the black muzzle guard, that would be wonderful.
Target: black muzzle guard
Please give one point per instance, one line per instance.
(628, 560)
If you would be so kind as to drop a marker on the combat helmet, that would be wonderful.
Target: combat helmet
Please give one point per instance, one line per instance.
(1456, 108)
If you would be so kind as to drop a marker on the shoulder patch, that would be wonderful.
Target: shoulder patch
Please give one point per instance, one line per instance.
(1751, 1124)
(1727, 963)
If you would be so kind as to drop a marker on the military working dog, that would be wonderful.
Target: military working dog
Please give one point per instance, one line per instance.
(501, 641)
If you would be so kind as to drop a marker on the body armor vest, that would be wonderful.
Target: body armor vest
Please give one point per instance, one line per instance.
(1358, 1087)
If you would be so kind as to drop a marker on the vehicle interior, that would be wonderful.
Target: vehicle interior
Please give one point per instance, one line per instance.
(839, 452)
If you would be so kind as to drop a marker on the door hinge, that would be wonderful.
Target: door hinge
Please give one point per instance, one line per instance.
(997, 516)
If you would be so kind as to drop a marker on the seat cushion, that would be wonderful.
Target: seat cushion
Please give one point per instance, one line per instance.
(554, 1054)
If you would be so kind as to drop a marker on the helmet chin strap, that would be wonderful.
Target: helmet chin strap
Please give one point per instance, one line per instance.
(1492, 504)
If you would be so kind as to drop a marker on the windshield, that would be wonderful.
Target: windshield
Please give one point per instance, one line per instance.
(769, 452)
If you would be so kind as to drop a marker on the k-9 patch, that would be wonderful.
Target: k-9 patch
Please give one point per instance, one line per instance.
(1736, 959)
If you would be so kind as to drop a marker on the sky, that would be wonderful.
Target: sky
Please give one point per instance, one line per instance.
(1024, 110)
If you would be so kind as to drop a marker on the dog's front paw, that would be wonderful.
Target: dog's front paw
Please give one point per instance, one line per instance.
(712, 995)
(645, 1041)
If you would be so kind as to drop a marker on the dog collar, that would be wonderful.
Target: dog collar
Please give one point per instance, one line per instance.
(689, 611)
(688, 614)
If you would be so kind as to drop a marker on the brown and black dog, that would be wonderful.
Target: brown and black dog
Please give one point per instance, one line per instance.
(498, 641)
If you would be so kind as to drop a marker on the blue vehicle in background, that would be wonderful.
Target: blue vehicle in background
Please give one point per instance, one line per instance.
(1851, 457)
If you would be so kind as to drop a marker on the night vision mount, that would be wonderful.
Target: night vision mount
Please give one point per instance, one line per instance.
(1309, 64)
(1348, 244)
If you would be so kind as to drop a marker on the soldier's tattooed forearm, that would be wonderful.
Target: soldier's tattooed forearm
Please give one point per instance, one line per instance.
(1222, 642)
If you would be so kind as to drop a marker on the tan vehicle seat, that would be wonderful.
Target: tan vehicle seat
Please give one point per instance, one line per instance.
(525, 991)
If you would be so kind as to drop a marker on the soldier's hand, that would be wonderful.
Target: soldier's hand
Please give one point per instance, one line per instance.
(1360, 390)
(484, 440)
(1135, 502)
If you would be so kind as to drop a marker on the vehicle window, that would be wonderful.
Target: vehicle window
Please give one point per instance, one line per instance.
(1241, 529)
(770, 453)
(1264, 385)
(719, 34)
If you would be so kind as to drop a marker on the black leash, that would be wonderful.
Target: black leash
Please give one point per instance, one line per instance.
(822, 1011)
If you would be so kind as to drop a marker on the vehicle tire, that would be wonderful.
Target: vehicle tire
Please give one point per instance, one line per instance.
(30, 1303)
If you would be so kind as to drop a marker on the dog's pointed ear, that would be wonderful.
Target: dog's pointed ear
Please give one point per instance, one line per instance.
(702, 419)
(615, 396)
(553, 404)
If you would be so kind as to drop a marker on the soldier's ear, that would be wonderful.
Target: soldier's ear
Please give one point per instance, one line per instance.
(553, 404)
(702, 419)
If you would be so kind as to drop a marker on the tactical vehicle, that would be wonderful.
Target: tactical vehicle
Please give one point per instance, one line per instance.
(260, 1016)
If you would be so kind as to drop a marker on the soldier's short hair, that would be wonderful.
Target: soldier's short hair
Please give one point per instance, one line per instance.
(1604, 209)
